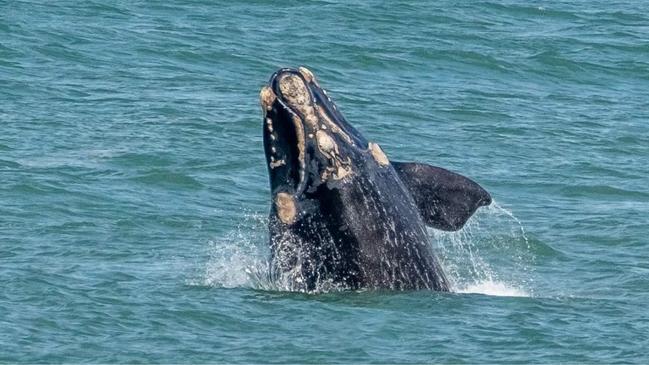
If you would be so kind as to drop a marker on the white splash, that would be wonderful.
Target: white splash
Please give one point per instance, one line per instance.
(238, 259)
(491, 255)
(494, 288)
(231, 265)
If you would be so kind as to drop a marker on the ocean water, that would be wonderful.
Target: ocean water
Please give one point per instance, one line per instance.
(134, 195)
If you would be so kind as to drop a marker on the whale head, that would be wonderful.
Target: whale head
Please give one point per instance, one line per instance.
(307, 140)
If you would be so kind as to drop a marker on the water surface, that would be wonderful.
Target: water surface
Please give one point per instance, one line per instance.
(133, 191)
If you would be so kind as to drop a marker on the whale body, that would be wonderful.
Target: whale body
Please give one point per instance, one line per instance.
(343, 215)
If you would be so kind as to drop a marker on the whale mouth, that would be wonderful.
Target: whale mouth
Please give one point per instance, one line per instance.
(306, 138)
(284, 137)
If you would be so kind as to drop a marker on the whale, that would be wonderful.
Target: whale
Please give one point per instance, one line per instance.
(342, 214)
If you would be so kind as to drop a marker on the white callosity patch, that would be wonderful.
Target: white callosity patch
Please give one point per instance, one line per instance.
(338, 167)
(269, 125)
(378, 154)
(273, 164)
(296, 94)
(326, 144)
(286, 208)
(266, 97)
(308, 75)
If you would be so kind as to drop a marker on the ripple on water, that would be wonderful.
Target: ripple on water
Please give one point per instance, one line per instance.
(133, 190)
(167, 178)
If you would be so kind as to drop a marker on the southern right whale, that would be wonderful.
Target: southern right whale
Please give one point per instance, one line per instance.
(342, 214)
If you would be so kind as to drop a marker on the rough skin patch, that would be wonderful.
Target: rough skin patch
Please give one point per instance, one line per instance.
(338, 168)
(326, 144)
(342, 172)
(278, 163)
(296, 94)
(378, 154)
(267, 97)
(308, 75)
(294, 90)
(286, 209)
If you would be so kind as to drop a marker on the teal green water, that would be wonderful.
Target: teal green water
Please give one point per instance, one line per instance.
(133, 191)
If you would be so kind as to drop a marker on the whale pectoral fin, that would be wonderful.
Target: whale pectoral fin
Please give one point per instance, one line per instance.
(446, 200)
